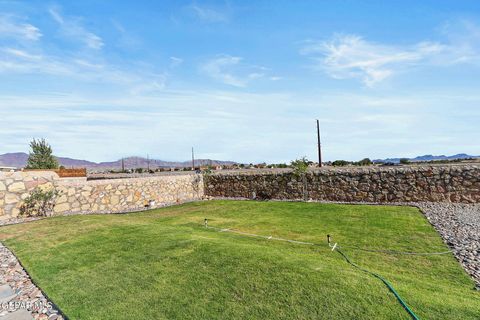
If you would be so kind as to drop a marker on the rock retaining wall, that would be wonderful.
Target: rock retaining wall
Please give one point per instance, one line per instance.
(77, 195)
(456, 184)
(459, 184)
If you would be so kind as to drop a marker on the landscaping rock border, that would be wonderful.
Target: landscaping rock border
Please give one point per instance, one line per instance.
(26, 295)
(459, 226)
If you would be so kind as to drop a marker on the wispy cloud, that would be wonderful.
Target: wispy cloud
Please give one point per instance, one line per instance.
(154, 84)
(351, 56)
(23, 58)
(13, 27)
(125, 38)
(208, 14)
(175, 62)
(21, 54)
(72, 27)
(13, 60)
(232, 71)
(217, 69)
(135, 80)
(463, 37)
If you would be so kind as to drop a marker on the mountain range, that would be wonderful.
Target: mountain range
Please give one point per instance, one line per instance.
(427, 157)
(19, 160)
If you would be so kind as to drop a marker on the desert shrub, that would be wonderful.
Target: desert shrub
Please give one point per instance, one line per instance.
(39, 203)
(340, 163)
(263, 195)
(365, 162)
(300, 166)
(404, 161)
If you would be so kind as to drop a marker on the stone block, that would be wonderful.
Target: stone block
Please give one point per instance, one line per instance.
(62, 199)
(62, 207)
(15, 212)
(114, 200)
(16, 186)
(46, 186)
(11, 198)
(31, 184)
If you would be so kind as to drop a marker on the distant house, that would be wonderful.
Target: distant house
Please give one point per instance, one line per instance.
(8, 169)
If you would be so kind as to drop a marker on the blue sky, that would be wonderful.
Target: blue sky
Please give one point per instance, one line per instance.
(240, 80)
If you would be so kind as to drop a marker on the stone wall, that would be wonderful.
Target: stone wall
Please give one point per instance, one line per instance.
(15, 187)
(77, 195)
(460, 183)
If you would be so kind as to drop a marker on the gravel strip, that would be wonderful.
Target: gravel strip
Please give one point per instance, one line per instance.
(27, 295)
(459, 226)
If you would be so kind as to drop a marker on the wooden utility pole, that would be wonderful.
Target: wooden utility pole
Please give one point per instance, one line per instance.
(123, 165)
(319, 145)
(148, 163)
(193, 160)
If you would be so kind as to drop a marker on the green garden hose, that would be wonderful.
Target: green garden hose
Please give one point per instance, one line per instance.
(337, 248)
(389, 286)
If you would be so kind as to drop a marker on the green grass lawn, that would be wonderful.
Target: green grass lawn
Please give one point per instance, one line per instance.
(162, 264)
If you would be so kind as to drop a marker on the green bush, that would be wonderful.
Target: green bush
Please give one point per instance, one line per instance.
(340, 163)
(39, 203)
(207, 171)
(300, 166)
(365, 162)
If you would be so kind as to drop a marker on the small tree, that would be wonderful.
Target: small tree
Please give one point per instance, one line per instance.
(207, 171)
(340, 163)
(41, 156)
(404, 161)
(365, 162)
(300, 167)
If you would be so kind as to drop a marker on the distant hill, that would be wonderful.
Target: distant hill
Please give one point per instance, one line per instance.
(19, 160)
(428, 157)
